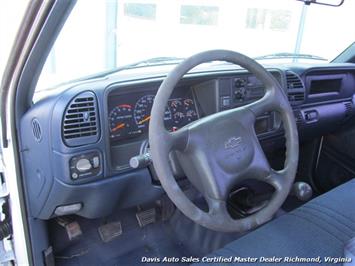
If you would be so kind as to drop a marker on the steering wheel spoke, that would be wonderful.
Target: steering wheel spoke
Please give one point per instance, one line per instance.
(177, 140)
(217, 209)
(276, 179)
(259, 168)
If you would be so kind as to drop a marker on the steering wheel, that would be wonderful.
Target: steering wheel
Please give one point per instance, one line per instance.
(220, 150)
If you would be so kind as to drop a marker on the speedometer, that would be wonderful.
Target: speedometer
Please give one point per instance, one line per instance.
(142, 111)
(120, 120)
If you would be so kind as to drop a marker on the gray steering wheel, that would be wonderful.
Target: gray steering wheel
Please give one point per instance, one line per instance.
(220, 150)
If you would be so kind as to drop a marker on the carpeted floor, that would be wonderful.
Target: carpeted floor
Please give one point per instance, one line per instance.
(177, 237)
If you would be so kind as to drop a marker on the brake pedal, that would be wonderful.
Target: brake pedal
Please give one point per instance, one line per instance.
(110, 231)
(146, 217)
(72, 227)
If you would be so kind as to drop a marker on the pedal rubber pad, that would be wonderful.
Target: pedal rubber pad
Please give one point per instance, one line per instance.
(110, 231)
(146, 217)
(73, 230)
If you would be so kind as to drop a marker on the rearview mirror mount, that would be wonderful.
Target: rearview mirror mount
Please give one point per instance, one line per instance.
(333, 3)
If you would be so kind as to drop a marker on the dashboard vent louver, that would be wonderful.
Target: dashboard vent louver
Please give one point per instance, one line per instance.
(80, 123)
(293, 81)
(295, 88)
(348, 109)
(298, 117)
(295, 96)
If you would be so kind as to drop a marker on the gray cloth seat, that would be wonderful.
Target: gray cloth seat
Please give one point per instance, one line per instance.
(322, 227)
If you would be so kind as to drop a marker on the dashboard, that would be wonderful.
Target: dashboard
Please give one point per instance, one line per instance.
(90, 131)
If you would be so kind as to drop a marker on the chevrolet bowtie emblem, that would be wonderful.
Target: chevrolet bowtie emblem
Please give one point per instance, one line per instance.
(233, 142)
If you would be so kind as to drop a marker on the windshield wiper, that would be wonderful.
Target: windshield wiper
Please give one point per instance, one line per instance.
(290, 55)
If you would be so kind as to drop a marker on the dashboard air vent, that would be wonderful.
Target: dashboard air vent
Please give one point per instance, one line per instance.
(295, 96)
(298, 117)
(348, 109)
(293, 81)
(80, 123)
(295, 88)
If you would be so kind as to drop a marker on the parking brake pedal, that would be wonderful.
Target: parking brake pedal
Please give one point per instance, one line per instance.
(146, 217)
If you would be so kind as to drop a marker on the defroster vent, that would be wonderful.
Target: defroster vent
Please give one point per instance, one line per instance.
(81, 123)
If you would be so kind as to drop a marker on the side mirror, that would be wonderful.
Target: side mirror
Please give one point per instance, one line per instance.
(334, 3)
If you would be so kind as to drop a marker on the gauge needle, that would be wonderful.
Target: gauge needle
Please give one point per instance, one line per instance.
(144, 120)
(119, 126)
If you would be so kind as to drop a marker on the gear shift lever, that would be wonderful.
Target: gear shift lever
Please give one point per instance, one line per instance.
(301, 191)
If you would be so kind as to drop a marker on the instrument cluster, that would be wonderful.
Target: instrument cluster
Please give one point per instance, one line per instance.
(129, 113)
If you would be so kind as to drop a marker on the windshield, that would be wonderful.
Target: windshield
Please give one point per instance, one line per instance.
(104, 35)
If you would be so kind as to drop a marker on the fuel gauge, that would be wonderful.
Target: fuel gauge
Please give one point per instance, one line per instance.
(178, 118)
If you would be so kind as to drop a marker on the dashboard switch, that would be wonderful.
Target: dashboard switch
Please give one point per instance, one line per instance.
(226, 101)
(74, 175)
(83, 165)
(95, 162)
(311, 116)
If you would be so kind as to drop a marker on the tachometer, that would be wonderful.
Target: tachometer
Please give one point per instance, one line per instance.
(142, 111)
(120, 120)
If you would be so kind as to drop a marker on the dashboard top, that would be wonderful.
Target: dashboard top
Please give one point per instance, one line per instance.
(148, 74)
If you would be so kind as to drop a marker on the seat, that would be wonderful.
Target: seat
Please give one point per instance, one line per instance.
(322, 227)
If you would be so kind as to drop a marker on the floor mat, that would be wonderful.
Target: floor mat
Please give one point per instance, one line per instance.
(153, 241)
(178, 237)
